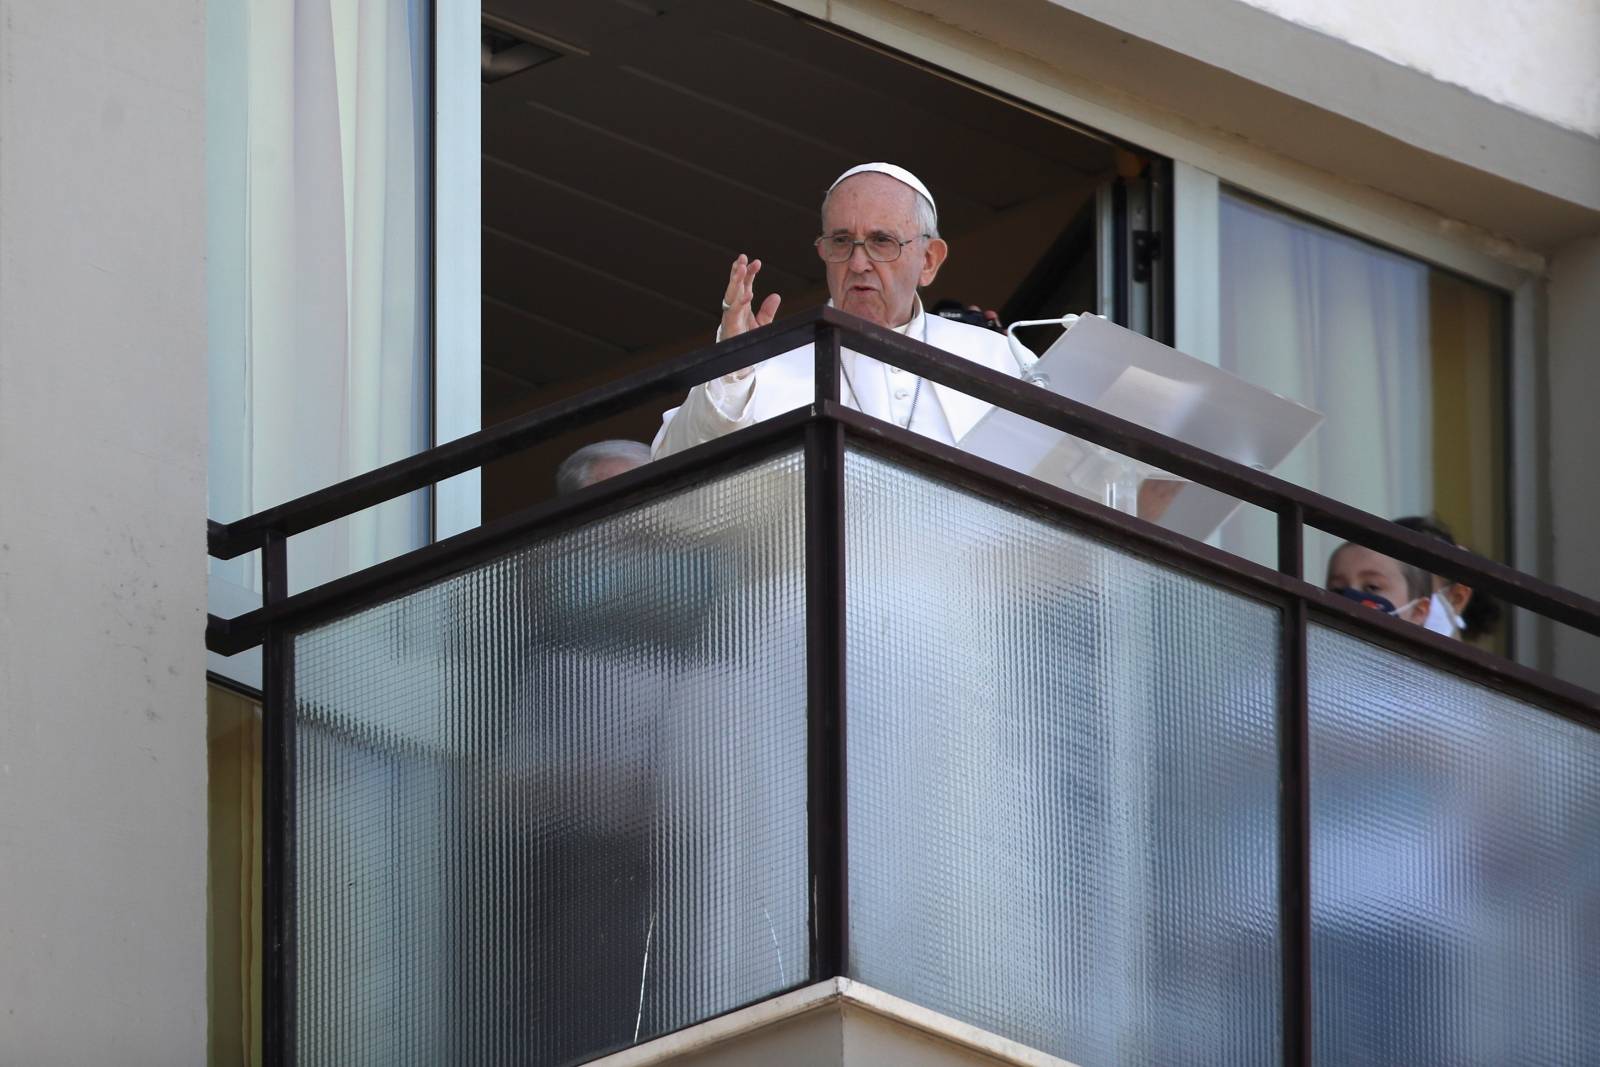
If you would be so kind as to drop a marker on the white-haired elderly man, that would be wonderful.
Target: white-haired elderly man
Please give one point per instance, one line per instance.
(880, 243)
(597, 462)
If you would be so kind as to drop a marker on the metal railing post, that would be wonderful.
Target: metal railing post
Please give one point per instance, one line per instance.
(825, 677)
(1294, 801)
(828, 362)
(1292, 540)
(278, 815)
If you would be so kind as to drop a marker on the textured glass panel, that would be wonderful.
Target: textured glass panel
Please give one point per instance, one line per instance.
(1062, 783)
(1455, 850)
(558, 802)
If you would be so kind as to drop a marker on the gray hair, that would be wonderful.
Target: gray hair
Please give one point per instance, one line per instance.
(577, 471)
(927, 219)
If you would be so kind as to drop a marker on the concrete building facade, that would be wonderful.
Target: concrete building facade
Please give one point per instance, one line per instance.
(1466, 135)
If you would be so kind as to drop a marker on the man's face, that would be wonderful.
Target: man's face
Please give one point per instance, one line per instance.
(884, 293)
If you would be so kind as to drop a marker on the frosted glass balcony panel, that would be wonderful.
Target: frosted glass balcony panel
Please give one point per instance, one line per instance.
(1455, 850)
(1062, 782)
(557, 803)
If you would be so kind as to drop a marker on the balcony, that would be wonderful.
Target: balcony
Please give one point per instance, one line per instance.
(826, 699)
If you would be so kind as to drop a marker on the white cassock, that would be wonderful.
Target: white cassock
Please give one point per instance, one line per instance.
(786, 382)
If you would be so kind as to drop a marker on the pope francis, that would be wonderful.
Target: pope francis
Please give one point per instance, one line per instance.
(880, 242)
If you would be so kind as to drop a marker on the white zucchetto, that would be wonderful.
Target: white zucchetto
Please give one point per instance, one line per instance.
(898, 173)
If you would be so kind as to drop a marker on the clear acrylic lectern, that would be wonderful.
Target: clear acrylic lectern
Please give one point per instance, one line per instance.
(1146, 382)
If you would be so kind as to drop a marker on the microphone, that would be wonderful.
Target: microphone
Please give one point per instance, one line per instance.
(1024, 355)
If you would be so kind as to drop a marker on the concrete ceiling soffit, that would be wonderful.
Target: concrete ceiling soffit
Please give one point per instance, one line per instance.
(1314, 99)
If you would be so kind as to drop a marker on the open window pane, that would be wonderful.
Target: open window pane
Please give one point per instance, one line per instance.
(1407, 361)
(631, 151)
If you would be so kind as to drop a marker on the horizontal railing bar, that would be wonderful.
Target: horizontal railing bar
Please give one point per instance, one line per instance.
(1031, 494)
(1059, 412)
(1213, 564)
(1456, 657)
(432, 562)
(1216, 472)
(1442, 558)
(227, 541)
(1041, 405)
(452, 555)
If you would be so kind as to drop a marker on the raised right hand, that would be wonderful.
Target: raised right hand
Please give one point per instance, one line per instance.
(738, 313)
(741, 313)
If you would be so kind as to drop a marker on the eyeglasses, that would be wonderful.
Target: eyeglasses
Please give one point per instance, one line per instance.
(881, 247)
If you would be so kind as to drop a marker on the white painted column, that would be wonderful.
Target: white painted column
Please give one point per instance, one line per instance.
(1197, 251)
(102, 532)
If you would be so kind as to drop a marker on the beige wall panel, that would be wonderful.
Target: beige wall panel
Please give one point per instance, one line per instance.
(814, 1039)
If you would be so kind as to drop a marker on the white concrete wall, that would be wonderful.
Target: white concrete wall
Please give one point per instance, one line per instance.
(1540, 57)
(102, 551)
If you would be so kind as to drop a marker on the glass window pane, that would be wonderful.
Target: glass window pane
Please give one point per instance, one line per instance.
(557, 803)
(1062, 783)
(317, 170)
(1455, 868)
(1406, 361)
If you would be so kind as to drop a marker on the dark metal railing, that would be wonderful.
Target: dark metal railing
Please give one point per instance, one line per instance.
(1294, 505)
(823, 428)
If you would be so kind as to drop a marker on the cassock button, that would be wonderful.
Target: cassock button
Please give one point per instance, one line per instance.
(901, 394)
(896, 370)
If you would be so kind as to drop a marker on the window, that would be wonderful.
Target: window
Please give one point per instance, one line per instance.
(317, 274)
(1407, 362)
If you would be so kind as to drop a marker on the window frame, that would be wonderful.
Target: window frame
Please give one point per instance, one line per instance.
(455, 260)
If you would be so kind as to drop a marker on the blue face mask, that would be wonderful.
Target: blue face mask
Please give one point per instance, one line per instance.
(1373, 600)
(1367, 600)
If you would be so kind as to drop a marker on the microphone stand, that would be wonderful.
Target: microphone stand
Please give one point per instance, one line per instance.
(1026, 360)
(1118, 476)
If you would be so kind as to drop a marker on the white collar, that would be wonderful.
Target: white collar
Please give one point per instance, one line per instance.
(916, 326)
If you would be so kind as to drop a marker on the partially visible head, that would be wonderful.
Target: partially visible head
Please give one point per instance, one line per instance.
(869, 203)
(1359, 568)
(597, 462)
(1476, 614)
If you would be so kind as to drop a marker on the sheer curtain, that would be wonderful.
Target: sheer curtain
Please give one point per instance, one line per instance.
(318, 157)
(1343, 326)
(318, 164)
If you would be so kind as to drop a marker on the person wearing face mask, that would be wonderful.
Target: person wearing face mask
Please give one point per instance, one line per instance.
(1397, 589)
(880, 243)
(1456, 609)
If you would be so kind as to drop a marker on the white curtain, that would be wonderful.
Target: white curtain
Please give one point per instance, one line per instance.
(1340, 325)
(318, 115)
